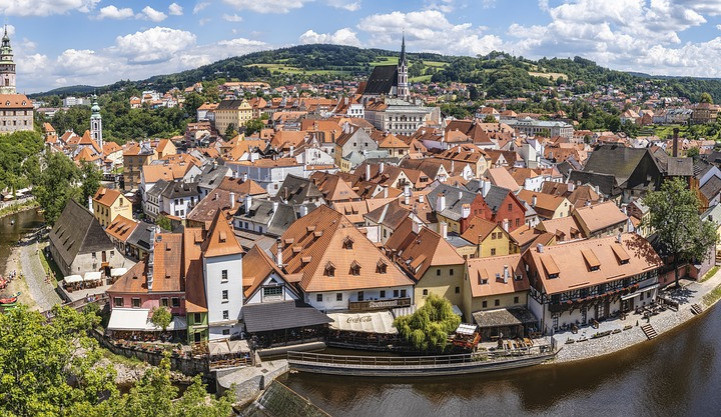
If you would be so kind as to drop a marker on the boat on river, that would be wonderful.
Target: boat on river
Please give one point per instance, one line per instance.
(5, 302)
(419, 366)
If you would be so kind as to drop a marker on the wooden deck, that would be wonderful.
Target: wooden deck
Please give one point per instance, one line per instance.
(418, 366)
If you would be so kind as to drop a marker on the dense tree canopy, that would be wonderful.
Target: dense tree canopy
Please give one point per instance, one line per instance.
(675, 219)
(53, 369)
(428, 328)
(18, 159)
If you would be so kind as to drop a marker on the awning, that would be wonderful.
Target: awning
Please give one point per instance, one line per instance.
(128, 319)
(71, 279)
(504, 317)
(281, 315)
(178, 323)
(380, 322)
(225, 347)
(118, 272)
(638, 292)
(92, 276)
(467, 329)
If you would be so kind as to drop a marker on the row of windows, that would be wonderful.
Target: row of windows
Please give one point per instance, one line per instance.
(497, 302)
(15, 123)
(135, 303)
(361, 295)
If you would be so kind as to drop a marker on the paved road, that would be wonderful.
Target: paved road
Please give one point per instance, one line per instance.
(43, 293)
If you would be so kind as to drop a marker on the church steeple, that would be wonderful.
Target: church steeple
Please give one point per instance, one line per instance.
(402, 90)
(7, 65)
(96, 123)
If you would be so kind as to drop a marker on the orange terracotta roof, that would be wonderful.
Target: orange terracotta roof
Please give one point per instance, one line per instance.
(572, 265)
(478, 229)
(193, 266)
(121, 228)
(325, 239)
(167, 269)
(221, 239)
(106, 196)
(600, 216)
(486, 275)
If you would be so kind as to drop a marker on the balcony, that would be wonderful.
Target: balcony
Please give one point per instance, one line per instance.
(368, 305)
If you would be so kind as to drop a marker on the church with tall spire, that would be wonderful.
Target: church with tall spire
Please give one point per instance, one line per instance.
(7, 66)
(389, 80)
(16, 110)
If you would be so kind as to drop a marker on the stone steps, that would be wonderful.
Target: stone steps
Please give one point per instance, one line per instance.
(696, 309)
(649, 331)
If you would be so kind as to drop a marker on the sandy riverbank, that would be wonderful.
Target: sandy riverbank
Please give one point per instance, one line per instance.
(18, 284)
(664, 322)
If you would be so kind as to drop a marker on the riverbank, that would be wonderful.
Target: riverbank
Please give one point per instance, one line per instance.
(705, 294)
(13, 208)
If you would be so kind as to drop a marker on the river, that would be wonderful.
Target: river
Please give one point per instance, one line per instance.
(677, 374)
(12, 228)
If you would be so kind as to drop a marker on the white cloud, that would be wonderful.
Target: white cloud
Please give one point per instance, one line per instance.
(267, 6)
(232, 17)
(175, 9)
(204, 21)
(343, 36)
(200, 6)
(149, 13)
(429, 31)
(45, 7)
(153, 45)
(112, 12)
(350, 5)
(82, 62)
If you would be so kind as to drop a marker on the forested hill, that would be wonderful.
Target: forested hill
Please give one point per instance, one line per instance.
(499, 74)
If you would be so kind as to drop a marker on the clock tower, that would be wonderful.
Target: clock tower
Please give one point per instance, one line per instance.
(7, 66)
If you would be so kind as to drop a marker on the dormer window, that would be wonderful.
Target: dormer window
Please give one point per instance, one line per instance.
(329, 270)
(355, 268)
(381, 267)
(348, 243)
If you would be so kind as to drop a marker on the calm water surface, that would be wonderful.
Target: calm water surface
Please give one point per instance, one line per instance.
(677, 374)
(10, 233)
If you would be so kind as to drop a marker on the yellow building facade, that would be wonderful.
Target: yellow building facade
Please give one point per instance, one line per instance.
(108, 204)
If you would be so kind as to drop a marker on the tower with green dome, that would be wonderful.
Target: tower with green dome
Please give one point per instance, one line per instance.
(7, 66)
(96, 123)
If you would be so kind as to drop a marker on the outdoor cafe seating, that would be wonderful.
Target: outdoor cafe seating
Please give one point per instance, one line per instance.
(89, 280)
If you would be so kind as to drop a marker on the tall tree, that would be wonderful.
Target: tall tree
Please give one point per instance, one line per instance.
(706, 98)
(90, 176)
(428, 328)
(56, 185)
(230, 131)
(675, 219)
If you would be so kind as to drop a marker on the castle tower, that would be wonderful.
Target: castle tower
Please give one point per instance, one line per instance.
(403, 90)
(96, 123)
(7, 66)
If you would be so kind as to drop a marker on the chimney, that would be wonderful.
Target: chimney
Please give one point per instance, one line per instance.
(466, 211)
(675, 142)
(407, 194)
(421, 198)
(248, 202)
(292, 150)
(460, 194)
(232, 200)
(279, 254)
(275, 206)
(539, 248)
(90, 204)
(303, 210)
(485, 187)
(443, 226)
(151, 260)
(534, 200)
(381, 167)
(619, 238)
(440, 202)
(385, 192)
(245, 177)
(415, 227)
(368, 172)
(506, 274)
(571, 187)
(505, 224)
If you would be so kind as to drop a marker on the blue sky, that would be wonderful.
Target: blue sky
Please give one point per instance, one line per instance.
(66, 42)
